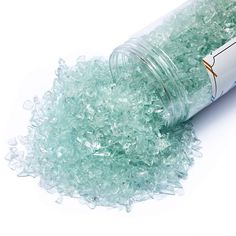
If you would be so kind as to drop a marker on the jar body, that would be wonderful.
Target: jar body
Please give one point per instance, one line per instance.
(173, 49)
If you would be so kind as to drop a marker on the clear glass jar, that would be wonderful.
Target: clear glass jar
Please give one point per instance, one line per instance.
(171, 51)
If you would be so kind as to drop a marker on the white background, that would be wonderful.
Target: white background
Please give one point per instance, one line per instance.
(33, 35)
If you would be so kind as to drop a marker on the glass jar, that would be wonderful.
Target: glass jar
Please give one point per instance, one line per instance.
(178, 53)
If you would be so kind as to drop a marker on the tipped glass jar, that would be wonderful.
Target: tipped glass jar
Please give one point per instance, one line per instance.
(184, 61)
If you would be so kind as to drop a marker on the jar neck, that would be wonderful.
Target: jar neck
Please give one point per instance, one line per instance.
(156, 63)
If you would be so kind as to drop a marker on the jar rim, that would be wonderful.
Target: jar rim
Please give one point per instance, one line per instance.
(159, 65)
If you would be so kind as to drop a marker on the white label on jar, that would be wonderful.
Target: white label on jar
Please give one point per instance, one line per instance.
(221, 67)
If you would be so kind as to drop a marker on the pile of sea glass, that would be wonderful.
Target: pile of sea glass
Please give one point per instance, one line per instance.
(101, 141)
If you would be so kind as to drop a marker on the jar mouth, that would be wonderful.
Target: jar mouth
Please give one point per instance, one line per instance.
(154, 63)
